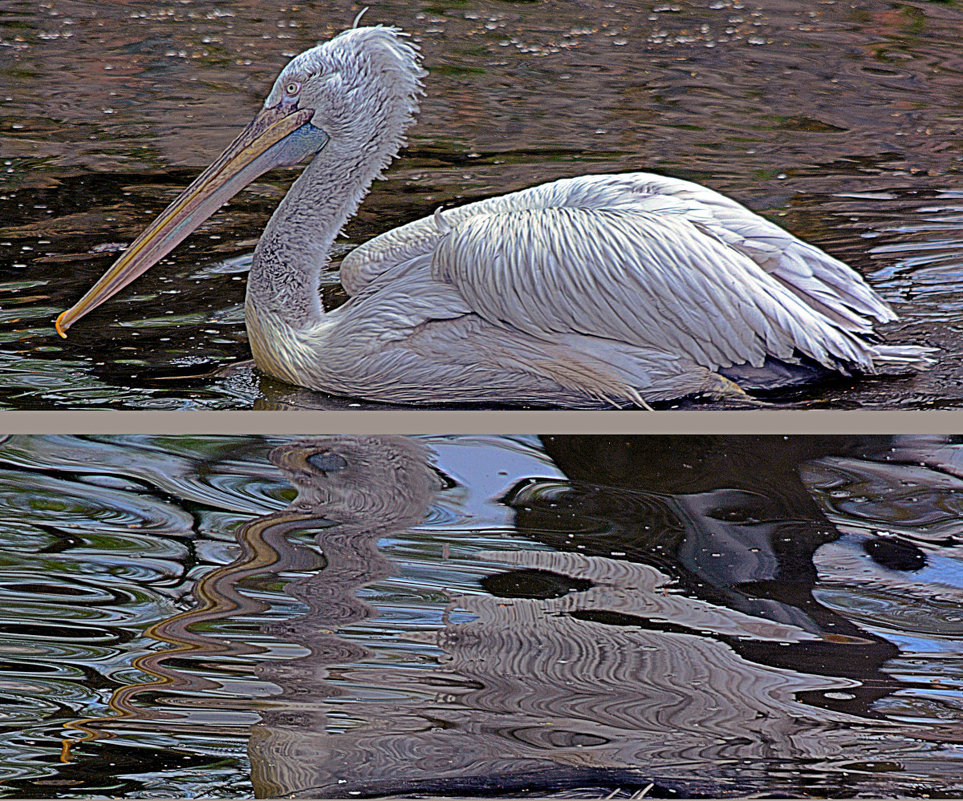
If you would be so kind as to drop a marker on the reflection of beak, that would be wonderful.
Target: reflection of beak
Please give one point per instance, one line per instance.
(259, 148)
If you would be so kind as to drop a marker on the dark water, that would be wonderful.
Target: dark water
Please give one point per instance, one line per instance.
(840, 121)
(344, 617)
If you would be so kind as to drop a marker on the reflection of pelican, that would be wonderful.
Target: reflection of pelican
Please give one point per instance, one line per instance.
(621, 288)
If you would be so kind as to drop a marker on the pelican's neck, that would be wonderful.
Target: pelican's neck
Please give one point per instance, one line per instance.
(285, 274)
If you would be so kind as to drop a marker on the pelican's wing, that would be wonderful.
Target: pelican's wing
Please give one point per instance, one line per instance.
(821, 281)
(682, 281)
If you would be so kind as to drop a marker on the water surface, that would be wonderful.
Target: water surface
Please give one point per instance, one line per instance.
(228, 616)
(838, 122)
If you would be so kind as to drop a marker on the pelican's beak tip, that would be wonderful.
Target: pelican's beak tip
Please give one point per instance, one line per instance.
(60, 329)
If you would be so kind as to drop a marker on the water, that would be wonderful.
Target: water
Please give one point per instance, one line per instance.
(343, 616)
(840, 122)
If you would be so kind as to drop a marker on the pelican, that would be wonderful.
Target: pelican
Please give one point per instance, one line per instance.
(589, 291)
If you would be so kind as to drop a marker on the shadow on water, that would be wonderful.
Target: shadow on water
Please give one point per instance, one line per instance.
(840, 123)
(455, 615)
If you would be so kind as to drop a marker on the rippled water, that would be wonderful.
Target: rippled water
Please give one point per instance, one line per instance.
(344, 616)
(839, 122)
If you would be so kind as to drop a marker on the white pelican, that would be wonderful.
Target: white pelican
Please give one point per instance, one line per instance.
(583, 292)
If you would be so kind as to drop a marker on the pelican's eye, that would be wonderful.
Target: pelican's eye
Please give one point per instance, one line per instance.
(292, 89)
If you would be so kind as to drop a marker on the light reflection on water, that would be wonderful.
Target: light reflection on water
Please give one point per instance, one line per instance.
(838, 122)
(480, 615)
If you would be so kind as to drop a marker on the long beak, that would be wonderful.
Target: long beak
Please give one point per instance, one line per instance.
(255, 151)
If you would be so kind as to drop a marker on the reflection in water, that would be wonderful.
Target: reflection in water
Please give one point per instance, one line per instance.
(708, 615)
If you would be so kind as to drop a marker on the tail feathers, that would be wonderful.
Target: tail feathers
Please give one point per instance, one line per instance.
(900, 359)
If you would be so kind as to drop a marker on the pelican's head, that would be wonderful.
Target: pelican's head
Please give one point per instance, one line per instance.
(356, 92)
(361, 85)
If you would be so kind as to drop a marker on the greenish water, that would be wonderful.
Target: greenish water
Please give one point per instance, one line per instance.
(343, 617)
(839, 122)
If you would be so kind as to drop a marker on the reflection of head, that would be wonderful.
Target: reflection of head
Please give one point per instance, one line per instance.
(382, 479)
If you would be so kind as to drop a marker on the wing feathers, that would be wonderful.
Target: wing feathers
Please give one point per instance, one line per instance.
(647, 279)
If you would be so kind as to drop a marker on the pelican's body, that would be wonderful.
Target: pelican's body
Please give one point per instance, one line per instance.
(601, 289)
